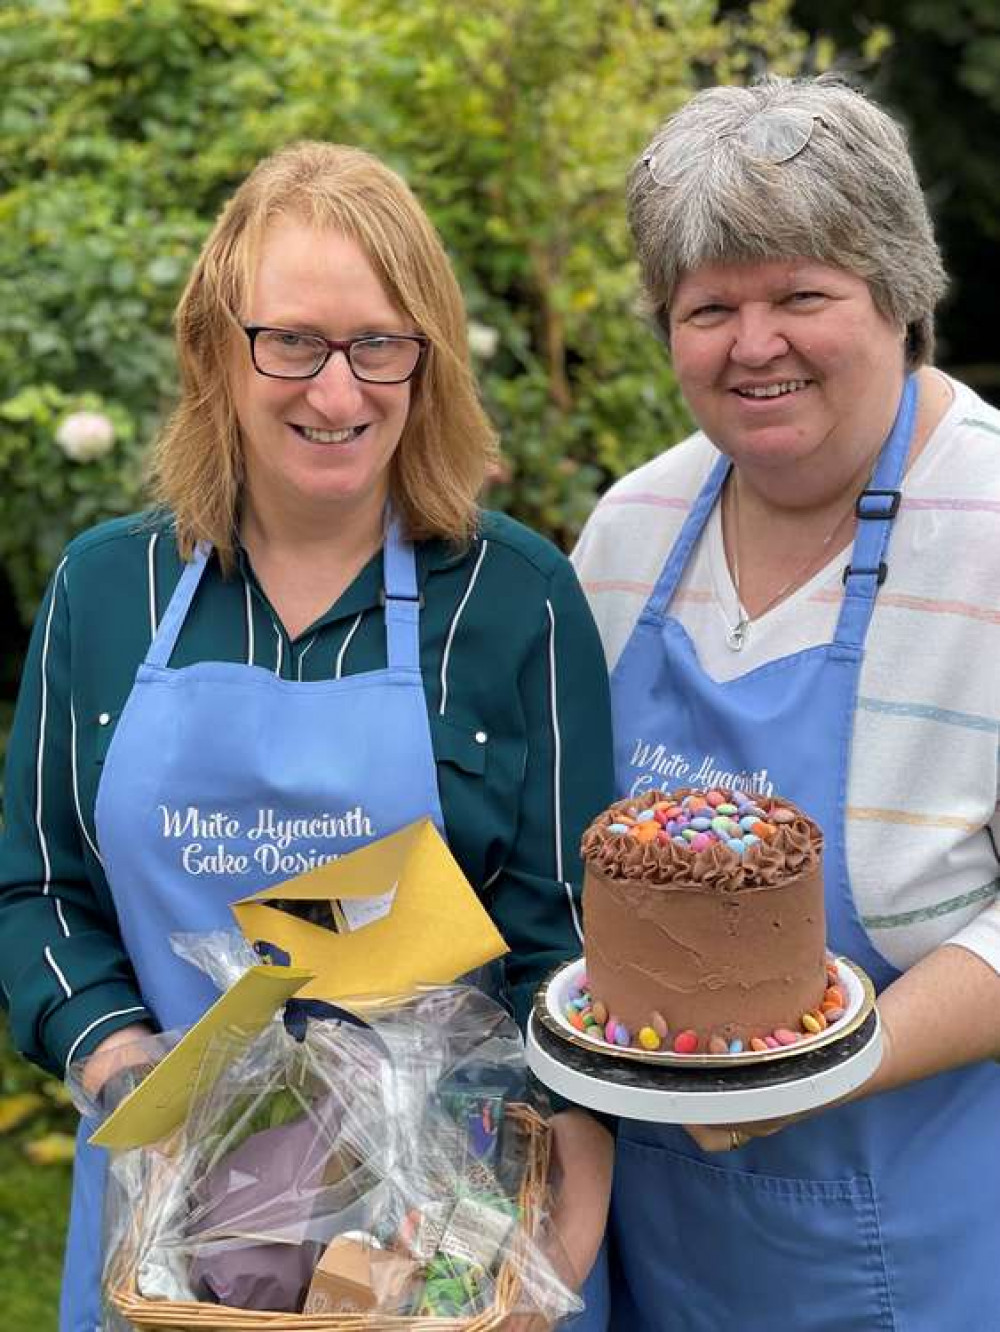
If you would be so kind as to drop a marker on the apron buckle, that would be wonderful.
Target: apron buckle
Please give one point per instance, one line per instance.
(879, 574)
(879, 512)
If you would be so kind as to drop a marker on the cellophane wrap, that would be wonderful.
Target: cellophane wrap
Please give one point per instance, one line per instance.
(393, 1137)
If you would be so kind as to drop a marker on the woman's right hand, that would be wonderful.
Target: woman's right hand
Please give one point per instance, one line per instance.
(127, 1048)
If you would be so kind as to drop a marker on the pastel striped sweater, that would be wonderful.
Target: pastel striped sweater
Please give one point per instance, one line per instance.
(923, 817)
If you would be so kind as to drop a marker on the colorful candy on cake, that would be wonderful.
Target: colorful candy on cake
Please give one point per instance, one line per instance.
(704, 928)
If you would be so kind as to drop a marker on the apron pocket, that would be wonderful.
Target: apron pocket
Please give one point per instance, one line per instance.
(703, 1248)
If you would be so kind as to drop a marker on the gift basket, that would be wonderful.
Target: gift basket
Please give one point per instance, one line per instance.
(346, 1169)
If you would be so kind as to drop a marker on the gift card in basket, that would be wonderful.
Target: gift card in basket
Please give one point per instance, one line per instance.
(403, 913)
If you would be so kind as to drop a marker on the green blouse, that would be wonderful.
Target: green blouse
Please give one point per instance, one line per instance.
(522, 746)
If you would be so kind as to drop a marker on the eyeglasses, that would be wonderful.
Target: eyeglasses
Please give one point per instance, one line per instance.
(774, 136)
(378, 358)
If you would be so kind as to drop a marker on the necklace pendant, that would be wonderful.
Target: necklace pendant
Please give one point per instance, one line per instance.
(736, 637)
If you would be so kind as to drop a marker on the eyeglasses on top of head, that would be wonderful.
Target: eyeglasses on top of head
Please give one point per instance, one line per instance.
(775, 135)
(375, 358)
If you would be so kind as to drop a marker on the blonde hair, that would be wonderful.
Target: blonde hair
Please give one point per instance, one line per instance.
(447, 443)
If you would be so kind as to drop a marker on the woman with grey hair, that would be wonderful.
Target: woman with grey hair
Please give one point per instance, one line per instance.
(804, 597)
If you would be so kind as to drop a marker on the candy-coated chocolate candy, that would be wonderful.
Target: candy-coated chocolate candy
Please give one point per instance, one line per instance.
(752, 810)
(832, 1015)
(689, 834)
(701, 824)
(701, 841)
(686, 1042)
(659, 1024)
(622, 1036)
(812, 1023)
(781, 815)
(646, 832)
(750, 839)
(772, 1042)
(785, 1037)
(765, 831)
(574, 992)
(661, 817)
(736, 1046)
(726, 808)
(663, 837)
(715, 798)
(720, 824)
(648, 1039)
(575, 1019)
(679, 841)
(747, 822)
(675, 811)
(758, 1044)
(599, 1011)
(645, 816)
(589, 1020)
(610, 1027)
(618, 827)
(735, 844)
(718, 1045)
(834, 995)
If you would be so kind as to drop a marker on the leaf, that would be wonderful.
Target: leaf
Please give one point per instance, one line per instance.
(51, 1149)
(14, 1110)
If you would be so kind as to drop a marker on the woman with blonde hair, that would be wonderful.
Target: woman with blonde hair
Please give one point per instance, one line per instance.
(317, 619)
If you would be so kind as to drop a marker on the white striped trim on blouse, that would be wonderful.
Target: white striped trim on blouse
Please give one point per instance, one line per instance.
(42, 720)
(557, 773)
(302, 655)
(454, 625)
(281, 649)
(339, 665)
(105, 1017)
(249, 606)
(151, 568)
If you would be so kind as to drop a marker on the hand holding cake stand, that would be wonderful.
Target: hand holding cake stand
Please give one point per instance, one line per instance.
(707, 996)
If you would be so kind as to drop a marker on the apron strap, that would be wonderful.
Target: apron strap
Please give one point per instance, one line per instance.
(876, 508)
(402, 601)
(400, 597)
(162, 646)
(673, 570)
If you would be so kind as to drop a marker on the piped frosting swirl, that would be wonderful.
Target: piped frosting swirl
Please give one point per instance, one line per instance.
(788, 844)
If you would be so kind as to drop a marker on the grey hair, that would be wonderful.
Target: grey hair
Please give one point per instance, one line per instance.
(850, 198)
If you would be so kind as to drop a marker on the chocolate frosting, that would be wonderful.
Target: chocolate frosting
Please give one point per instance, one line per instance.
(795, 848)
(711, 941)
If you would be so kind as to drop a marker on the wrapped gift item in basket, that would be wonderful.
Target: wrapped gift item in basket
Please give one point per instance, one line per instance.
(380, 1168)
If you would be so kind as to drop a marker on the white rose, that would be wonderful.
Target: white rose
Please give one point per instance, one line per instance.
(483, 340)
(84, 436)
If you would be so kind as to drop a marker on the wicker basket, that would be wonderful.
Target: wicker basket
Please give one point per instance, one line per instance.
(177, 1316)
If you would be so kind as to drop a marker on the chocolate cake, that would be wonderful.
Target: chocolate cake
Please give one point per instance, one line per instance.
(704, 921)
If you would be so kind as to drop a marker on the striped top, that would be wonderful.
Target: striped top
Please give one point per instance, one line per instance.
(922, 817)
(516, 694)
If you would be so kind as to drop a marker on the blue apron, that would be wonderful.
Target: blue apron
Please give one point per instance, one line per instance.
(876, 1215)
(246, 751)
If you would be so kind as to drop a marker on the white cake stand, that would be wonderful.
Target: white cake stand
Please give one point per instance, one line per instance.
(675, 1091)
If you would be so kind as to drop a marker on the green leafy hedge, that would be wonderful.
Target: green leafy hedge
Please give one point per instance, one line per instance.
(126, 123)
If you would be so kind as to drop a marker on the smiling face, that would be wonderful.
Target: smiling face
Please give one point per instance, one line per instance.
(318, 449)
(787, 365)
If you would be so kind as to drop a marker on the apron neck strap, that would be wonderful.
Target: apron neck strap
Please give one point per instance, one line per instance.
(876, 508)
(673, 570)
(401, 599)
(399, 596)
(165, 638)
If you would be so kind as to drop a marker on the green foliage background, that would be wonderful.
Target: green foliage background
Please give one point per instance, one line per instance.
(125, 125)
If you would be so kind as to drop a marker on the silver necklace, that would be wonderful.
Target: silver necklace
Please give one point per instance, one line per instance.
(737, 634)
